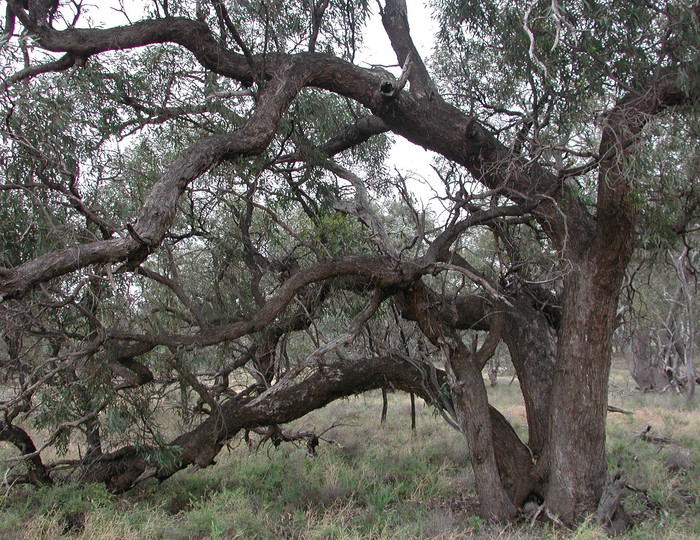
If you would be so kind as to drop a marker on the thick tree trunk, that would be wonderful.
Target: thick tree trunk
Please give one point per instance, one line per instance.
(532, 343)
(596, 264)
(579, 401)
(578, 407)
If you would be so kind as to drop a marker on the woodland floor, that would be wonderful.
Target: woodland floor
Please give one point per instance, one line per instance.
(377, 482)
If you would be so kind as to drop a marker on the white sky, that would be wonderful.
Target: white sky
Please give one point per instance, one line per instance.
(411, 160)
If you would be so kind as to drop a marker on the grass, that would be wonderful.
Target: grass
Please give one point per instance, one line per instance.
(378, 482)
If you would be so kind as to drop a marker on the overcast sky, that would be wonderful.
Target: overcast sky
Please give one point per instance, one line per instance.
(405, 156)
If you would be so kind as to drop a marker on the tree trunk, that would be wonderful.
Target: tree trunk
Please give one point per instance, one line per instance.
(531, 341)
(385, 406)
(595, 266)
(36, 471)
(578, 407)
(413, 412)
(469, 398)
(93, 438)
(494, 364)
(579, 401)
(532, 344)
(471, 404)
(645, 366)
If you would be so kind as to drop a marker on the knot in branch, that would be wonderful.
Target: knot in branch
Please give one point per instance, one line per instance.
(390, 88)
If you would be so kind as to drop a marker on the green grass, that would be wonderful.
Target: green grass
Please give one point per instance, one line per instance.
(378, 482)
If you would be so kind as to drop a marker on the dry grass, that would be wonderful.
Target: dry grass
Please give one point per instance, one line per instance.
(378, 482)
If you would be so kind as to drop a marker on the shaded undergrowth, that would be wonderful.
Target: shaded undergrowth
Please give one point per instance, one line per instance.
(376, 482)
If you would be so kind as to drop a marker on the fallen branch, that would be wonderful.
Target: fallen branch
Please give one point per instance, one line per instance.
(645, 435)
(612, 408)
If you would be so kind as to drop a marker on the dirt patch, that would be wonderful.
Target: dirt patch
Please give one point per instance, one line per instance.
(515, 415)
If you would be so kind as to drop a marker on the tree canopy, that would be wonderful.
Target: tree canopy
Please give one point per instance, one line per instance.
(199, 218)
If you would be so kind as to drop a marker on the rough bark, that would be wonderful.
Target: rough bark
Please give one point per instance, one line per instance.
(577, 457)
(470, 402)
(576, 447)
(532, 343)
(159, 209)
(426, 120)
(594, 252)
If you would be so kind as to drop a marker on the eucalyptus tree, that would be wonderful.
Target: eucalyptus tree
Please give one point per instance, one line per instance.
(658, 333)
(193, 204)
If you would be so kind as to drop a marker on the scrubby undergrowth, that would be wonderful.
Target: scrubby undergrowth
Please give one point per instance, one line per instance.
(377, 482)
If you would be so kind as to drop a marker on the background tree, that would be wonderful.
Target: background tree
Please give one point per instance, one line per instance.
(195, 203)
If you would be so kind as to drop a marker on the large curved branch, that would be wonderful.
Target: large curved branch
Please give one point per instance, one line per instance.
(120, 470)
(353, 135)
(431, 123)
(383, 272)
(158, 211)
(427, 121)
(36, 470)
(65, 62)
(380, 271)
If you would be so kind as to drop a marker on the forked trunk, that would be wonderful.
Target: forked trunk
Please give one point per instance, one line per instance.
(472, 408)
(578, 408)
(596, 266)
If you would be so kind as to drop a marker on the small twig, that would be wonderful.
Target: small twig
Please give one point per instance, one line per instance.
(554, 518)
(531, 36)
(540, 509)
(479, 280)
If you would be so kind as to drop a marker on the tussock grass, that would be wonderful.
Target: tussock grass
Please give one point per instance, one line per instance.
(379, 481)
